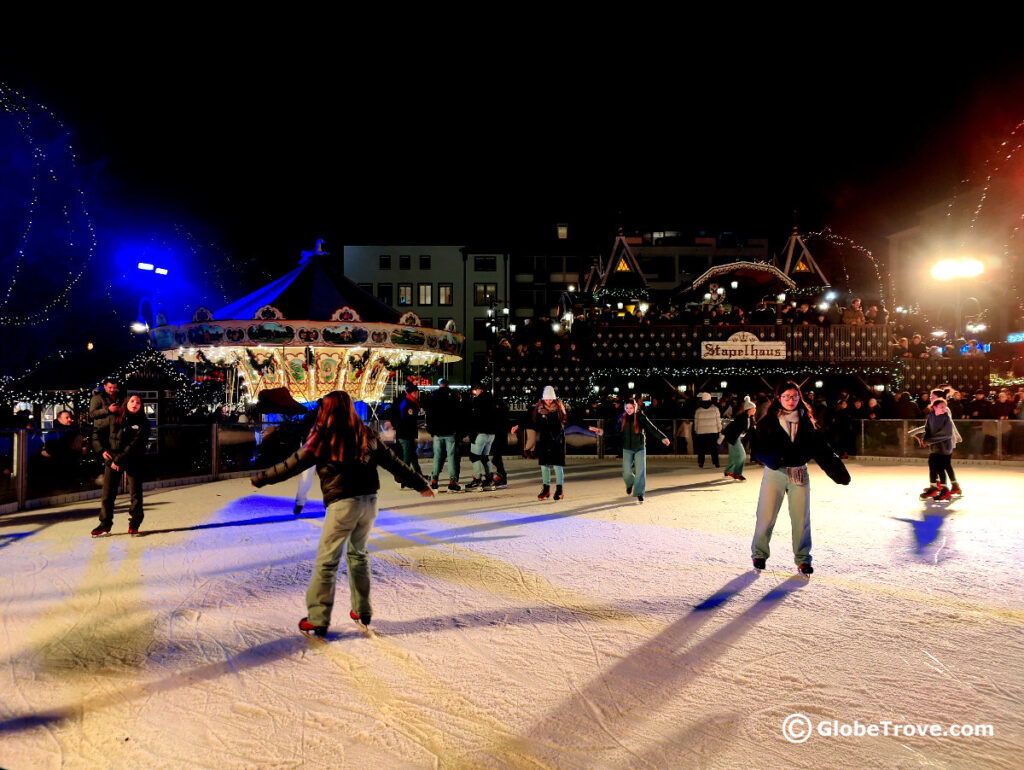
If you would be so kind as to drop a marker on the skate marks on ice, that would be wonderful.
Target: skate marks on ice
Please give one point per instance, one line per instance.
(609, 719)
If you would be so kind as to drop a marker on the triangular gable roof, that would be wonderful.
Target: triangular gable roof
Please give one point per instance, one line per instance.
(804, 263)
(310, 292)
(621, 271)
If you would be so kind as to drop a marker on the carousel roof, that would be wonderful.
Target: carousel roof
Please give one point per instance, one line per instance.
(310, 292)
(752, 273)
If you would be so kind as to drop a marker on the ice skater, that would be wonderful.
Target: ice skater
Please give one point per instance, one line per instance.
(733, 434)
(707, 424)
(346, 455)
(940, 435)
(122, 442)
(548, 418)
(784, 440)
(635, 428)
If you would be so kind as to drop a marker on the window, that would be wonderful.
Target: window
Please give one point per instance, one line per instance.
(481, 328)
(385, 261)
(385, 293)
(404, 262)
(484, 293)
(424, 261)
(405, 294)
(425, 294)
(563, 232)
(427, 322)
(485, 263)
(445, 294)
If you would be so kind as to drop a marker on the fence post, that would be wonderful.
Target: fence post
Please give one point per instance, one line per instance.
(215, 450)
(21, 466)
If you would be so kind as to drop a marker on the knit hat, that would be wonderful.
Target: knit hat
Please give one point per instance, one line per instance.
(704, 396)
(411, 387)
(548, 394)
(747, 404)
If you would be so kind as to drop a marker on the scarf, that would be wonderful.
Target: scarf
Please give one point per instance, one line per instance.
(790, 421)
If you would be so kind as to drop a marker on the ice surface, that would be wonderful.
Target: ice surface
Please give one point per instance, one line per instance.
(587, 633)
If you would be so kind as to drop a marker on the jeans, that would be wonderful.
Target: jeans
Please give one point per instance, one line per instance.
(737, 457)
(634, 469)
(408, 447)
(444, 446)
(349, 519)
(774, 486)
(111, 481)
(480, 449)
(545, 474)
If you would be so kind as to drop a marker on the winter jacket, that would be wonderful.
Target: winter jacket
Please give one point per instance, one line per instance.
(485, 415)
(940, 434)
(707, 419)
(736, 428)
(407, 425)
(633, 439)
(124, 440)
(444, 411)
(99, 409)
(550, 427)
(349, 478)
(772, 446)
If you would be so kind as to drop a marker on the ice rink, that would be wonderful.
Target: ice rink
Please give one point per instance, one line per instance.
(588, 633)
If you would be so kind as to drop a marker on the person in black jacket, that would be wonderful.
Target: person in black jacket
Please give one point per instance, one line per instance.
(444, 416)
(733, 434)
(407, 426)
(122, 442)
(786, 438)
(548, 418)
(482, 430)
(346, 454)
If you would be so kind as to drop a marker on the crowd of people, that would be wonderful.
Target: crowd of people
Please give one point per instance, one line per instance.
(560, 341)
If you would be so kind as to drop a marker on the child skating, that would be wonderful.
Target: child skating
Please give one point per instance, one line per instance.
(940, 435)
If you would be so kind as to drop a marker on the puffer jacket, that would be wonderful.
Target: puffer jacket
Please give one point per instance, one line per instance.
(351, 477)
(124, 440)
(707, 419)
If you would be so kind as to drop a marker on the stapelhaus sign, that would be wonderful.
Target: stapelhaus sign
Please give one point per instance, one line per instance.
(743, 346)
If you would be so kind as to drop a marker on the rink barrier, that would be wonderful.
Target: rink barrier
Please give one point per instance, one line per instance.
(196, 454)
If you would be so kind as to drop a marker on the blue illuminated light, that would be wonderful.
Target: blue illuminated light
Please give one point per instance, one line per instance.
(1015, 337)
(161, 271)
(145, 266)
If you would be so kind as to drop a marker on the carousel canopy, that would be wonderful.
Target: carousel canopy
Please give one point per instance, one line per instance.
(312, 291)
(749, 274)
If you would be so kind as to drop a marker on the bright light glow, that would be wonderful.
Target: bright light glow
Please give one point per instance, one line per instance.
(597, 388)
(938, 333)
(707, 296)
(161, 271)
(88, 346)
(572, 288)
(643, 307)
(616, 390)
(556, 327)
(620, 306)
(145, 266)
(899, 309)
(781, 298)
(567, 317)
(823, 306)
(682, 388)
(830, 295)
(504, 310)
(735, 284)
(879, 388)
(948, 269)
(819, 384)
(512, 328)
(630, 385)
(140, 327)
(725, 384)
(721, 290)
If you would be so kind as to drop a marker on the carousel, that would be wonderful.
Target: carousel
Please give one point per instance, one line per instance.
(311, 331)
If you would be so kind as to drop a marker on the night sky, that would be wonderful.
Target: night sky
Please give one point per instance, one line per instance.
(462, 139)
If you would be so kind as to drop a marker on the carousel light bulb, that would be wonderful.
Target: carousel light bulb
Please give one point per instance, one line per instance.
(682, 388)
(819, 384)
(735, 284)
(724, 384)
(781, 298)
(630, 385)
(619, 305)
(707, 297)
(643, 307)
(721, 290)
